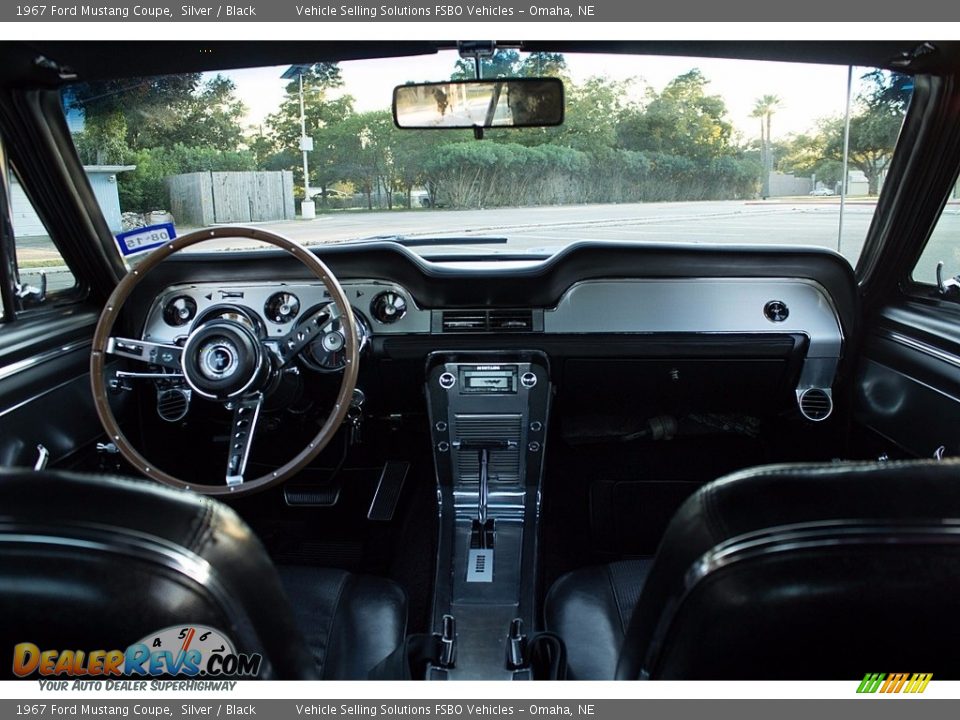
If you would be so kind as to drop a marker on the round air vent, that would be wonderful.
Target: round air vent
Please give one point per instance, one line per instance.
(816, 404)
(172, 405)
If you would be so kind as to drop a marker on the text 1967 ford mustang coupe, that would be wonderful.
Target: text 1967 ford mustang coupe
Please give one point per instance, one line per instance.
(438, 360)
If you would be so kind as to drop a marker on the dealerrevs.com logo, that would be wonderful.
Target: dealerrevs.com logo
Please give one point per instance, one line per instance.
(191, 651)
(887, 683)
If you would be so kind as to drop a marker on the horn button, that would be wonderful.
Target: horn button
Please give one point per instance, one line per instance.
(223, 359)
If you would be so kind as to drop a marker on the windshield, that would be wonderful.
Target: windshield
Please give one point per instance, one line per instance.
(652, 149)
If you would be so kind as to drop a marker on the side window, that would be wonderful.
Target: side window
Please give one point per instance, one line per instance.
(943, 246)
(43, 273)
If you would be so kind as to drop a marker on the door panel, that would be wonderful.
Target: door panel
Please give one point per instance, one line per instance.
(45, 393)
(908, 384)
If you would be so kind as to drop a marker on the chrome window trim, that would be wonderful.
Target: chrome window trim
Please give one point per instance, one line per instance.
(14, 368)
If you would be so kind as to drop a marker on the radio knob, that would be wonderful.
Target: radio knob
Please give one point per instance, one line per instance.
(447, 380)
(528, 379)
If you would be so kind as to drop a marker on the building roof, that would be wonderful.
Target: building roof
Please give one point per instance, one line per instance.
(108, 168)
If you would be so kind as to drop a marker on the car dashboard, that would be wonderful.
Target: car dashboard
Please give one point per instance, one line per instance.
(773, 324)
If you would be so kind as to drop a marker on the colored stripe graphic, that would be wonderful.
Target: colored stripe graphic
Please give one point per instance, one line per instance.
(894, 683)
(919, 682)
(871, 682)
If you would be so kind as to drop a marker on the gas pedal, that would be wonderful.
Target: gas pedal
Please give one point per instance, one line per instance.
(387, 495)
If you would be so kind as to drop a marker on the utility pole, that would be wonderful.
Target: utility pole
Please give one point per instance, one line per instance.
(307, 208)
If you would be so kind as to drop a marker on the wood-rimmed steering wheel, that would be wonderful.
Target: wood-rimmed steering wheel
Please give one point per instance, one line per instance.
(225, 361)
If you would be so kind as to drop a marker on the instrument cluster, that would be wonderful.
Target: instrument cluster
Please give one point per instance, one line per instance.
(273, 310)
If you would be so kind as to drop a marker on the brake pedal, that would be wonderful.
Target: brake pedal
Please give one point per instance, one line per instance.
(387, 495)
(312, 495)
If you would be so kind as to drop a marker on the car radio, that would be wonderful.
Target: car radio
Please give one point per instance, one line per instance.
(487, 379)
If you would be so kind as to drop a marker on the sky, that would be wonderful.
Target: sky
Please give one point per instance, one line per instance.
(808, 92)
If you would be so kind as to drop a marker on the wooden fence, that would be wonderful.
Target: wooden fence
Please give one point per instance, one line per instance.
(205, 198)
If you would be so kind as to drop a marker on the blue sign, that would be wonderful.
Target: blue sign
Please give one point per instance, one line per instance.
(144, 239)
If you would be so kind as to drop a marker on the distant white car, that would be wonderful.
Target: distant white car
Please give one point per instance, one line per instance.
(822, 192)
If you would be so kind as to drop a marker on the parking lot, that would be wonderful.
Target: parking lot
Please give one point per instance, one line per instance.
(800, 221)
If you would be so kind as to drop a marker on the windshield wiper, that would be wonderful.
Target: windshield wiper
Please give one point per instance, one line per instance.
(426, 241)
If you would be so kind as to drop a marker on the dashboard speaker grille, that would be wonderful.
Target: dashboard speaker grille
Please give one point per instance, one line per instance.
(504, 464)
(816, 404)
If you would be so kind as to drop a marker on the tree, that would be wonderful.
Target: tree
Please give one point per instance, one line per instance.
(873, 136)
(503, 63)
(210, 116)
(889, 89)
(543, 64)
(320, 110)
(764, 108)
(364, 144)
(874, 126)
(806, 155)
(594, 112)
(681, 120)
(115, 110)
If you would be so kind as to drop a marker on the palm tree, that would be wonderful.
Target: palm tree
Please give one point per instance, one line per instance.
(764, 108)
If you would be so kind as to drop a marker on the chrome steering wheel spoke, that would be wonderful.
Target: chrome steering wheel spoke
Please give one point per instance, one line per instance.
(288, 347)
(246, 413)
(166, 356)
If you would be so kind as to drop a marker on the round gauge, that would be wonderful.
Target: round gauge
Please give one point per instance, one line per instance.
(237, 313)
(326, 353)
(186, 638)
(388, 307)
(179, 310)
(281, 307)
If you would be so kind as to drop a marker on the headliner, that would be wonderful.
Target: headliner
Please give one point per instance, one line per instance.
(98, 60)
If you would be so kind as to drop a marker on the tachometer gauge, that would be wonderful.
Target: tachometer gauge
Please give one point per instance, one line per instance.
(388, 307)
(281, 307)
(326, 353)
(179, 311)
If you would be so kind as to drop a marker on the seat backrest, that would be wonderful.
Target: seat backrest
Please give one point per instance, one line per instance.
(806, 572)
(97, 563)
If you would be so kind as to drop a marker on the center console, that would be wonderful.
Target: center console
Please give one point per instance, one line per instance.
(488, 418)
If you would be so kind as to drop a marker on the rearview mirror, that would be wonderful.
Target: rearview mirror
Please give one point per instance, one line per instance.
(517, 102)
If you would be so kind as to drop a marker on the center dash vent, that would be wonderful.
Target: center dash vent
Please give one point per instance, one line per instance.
(478, 321)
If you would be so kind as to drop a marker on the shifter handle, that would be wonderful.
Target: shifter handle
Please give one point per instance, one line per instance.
(484, 444)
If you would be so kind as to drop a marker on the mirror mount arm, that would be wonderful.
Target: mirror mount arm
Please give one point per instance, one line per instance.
(476, 50)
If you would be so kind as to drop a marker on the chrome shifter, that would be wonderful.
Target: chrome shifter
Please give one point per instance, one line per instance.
(482, 490)
(480, 552)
